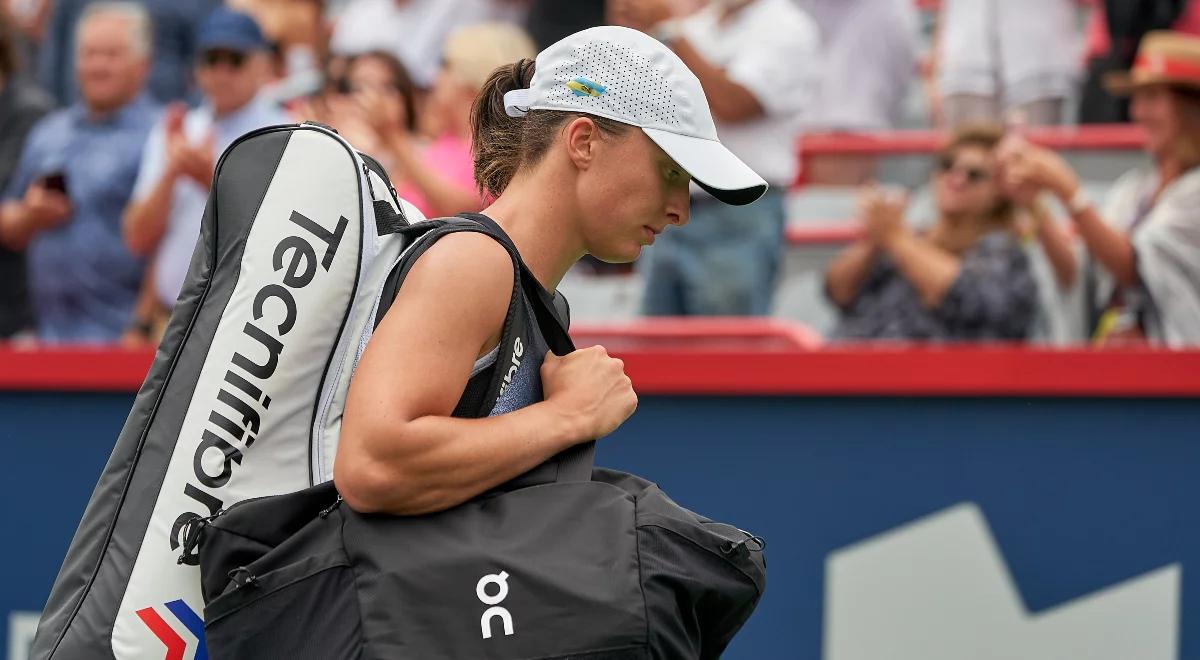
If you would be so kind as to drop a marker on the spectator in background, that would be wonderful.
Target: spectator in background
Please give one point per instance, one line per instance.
(998, 57)
(298, 34)
(412, 30)
(74, 177)
(755, 61)
(870, 58)
(967, 278)
(1147, 239)
(21, 105)
(551, 20)
(1114, 30)
(163, 218)
(439, 177)
(28, 18)
(173, 25)
(372, 98)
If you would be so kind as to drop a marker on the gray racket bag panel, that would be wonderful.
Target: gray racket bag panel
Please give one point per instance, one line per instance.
(242, 398)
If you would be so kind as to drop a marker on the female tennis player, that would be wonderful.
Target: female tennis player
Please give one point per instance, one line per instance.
(587, 150)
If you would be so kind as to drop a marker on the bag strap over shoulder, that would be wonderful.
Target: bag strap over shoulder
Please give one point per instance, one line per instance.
(553, 319)
(574, 464)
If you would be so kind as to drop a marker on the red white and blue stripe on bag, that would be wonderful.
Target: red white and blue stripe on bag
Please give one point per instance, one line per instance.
(176, 645)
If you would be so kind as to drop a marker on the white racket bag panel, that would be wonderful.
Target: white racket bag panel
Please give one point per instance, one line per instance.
(245, 393)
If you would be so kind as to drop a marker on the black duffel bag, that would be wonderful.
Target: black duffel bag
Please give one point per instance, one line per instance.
(609, 568)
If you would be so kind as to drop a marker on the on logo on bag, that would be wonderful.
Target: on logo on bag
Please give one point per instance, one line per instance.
(485, 622)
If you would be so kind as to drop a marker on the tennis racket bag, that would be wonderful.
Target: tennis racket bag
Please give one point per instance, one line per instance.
(565, 562)
(245, 393)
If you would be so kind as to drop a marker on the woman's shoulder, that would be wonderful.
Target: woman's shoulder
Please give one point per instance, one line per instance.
(464, 271)
(467, 258)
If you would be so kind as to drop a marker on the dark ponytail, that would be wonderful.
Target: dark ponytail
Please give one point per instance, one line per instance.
(501, 144)
(496, 137)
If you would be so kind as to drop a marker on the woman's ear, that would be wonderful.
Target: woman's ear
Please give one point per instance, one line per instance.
(581, 138)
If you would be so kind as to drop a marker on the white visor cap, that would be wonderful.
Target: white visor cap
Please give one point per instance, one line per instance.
(627, 76)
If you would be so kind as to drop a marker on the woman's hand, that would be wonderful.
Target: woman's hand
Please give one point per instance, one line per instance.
(591, 387)
(882, 214)
(382, 110)
(1027, 169)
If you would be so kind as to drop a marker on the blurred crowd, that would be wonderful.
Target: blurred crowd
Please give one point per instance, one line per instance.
(113, 113)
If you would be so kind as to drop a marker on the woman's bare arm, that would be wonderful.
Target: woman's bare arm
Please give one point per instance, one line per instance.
(846, 273)
(400, 450)
(1110, 247)
(930, 269)
(1056, 244)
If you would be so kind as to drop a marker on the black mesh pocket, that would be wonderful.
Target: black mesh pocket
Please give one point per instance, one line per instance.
(312, 617)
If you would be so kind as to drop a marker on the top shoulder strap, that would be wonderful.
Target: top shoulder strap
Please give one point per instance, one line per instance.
(553, 312)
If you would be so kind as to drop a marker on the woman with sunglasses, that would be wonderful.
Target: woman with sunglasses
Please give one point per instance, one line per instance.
(367, 98)
(162, 218)
(587, 150)
(966, 278)
(1143, 280)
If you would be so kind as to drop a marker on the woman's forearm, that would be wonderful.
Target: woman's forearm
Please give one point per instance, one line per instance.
(433, 463)
(145, 220)
(1056, 244)
(930, 269)
(443, 195)
(846, 273)
(1110, 247)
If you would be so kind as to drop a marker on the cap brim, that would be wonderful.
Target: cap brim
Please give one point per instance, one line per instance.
(1124, 83)
(712, 166)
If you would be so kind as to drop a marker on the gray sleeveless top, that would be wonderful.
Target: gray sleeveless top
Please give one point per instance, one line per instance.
(522, 374)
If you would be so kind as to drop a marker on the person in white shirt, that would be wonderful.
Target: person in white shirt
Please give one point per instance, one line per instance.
(757, 62)
(163, 218)
(1143, 247)
(412, 30)
(997, 58)
(870, 50)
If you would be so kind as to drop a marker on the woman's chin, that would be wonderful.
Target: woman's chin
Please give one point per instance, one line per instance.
(622, 255)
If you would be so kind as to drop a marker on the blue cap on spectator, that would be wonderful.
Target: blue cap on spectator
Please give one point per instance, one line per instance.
(232, 30)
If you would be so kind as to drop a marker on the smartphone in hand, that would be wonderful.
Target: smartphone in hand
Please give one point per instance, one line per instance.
(56, 181)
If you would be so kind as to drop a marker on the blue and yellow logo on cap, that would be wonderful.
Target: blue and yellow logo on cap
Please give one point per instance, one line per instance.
(584, 87)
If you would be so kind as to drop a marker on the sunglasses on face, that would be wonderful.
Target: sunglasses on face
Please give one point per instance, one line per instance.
(972, 173)
(234, 59)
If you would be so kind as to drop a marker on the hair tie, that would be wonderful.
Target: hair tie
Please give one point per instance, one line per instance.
(517, 100)
(518, 73)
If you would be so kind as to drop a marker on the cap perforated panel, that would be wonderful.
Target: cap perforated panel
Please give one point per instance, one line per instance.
(635, 89)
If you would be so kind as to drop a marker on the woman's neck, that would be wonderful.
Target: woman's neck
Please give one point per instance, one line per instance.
(541, 224)
(1169, 169)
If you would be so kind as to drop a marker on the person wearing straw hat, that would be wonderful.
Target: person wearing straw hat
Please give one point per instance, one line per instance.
(1146, 239)
(589, 149)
